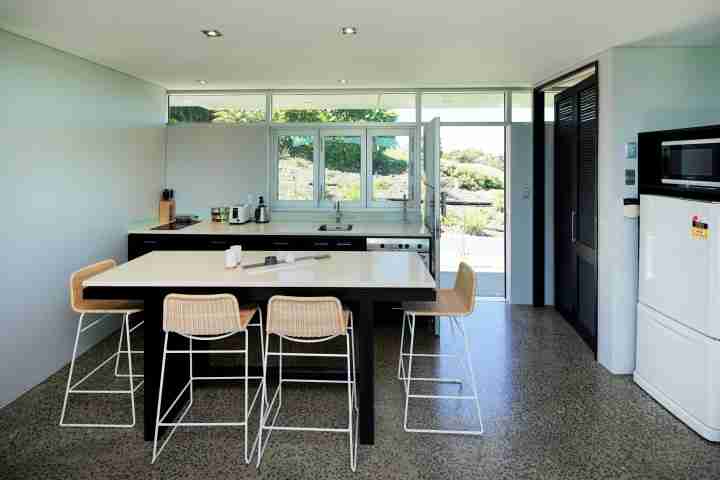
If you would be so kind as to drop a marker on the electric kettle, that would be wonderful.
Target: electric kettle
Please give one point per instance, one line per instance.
(262, 214)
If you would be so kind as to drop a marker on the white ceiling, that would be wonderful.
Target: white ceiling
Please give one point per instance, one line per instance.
(296, 44)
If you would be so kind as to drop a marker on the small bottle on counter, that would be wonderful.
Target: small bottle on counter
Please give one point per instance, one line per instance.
(230, 259)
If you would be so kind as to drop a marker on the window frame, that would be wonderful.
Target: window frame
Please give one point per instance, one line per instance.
(201, 93)
(271, 106)
(274, 173)
(274, 129)
(413, 166)
(342, 132)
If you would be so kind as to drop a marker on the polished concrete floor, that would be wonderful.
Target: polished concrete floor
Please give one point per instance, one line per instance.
(549, 410)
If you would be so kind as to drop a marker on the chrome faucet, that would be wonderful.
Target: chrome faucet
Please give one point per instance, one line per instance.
(338, 212)
(404, 201)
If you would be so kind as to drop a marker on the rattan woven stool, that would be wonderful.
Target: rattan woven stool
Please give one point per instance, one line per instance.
(454, 304)
(309, 320)
(104, 308)
(206, 318)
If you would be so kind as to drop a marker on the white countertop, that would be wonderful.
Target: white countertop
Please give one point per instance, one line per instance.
(360, 229)
(207, 269)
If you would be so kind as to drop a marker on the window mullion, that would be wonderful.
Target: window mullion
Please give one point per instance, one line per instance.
(365, 170)
(318, 180)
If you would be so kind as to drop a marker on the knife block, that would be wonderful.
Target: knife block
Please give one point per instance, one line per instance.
(167, 211)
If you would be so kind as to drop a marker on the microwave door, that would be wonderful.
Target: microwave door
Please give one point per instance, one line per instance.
(691, 162)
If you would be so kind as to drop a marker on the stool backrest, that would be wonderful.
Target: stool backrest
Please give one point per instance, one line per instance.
(305, 317)
(77, 279)
(201, 314)
(465, 286)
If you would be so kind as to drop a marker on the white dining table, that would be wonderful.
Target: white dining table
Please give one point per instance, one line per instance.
(359, 279)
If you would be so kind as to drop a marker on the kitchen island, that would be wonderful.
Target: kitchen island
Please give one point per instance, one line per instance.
(359, 279)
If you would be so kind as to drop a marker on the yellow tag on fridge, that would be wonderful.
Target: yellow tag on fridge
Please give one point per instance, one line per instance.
(700, 229)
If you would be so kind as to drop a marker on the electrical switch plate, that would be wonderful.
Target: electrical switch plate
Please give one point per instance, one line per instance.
(631, 150)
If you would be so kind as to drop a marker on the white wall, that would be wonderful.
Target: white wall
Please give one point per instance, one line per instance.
(82, 154)
(215, 165)
(521, 213)
(641, 89)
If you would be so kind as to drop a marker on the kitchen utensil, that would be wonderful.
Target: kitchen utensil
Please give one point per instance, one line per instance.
(262, 214)
(240, 214)
(324, 256)
(186, 218)
(225, 214)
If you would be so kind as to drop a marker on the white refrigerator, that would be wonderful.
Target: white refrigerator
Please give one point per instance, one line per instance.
(678, 329)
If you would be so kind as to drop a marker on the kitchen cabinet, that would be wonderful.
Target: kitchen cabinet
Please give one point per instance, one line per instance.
(140, 244)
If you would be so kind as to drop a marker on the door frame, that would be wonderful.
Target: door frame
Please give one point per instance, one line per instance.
(539, 165)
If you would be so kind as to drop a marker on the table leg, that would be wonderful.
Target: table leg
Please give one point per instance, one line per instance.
(177, 368)
(365, 349)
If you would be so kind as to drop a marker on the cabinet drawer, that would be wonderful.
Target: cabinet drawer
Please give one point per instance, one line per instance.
(139, 244)
(348, 244)
(220, 242)
(310, 243)
(273, 242)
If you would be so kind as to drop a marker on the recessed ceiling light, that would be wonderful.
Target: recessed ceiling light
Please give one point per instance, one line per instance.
(212, 33)
(349, 30)
(202, 82)
(342, 81)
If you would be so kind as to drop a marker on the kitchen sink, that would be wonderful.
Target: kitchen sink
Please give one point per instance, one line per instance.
(335, 227)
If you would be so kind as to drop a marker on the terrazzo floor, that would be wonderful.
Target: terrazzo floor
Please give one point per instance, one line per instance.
(549, 411)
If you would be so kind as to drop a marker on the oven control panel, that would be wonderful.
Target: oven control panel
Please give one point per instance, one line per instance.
(420, 245)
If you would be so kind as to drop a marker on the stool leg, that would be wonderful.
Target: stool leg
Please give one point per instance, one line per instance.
(402, 342)
(409, 372)
(190, 350)
(72, 367)
(119, 349)
(352, 352)
(247, 333)
(130, 370)
(159, 403)
(264, 404)
(280, 375)
(472, 374)
(348, 352)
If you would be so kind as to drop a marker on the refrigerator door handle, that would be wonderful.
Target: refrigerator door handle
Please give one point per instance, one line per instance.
(649, 254)
(572, 226)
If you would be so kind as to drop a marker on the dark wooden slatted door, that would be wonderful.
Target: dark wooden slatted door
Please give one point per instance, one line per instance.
(576, 162)
(565, 167)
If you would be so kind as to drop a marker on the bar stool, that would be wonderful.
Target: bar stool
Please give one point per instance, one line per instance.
(308, 320)
(206, 318)
(85, 307)
(452, 303)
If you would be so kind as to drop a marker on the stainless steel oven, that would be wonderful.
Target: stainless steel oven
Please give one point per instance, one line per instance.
(691, 163)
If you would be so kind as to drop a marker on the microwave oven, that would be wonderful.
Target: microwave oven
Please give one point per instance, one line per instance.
(691, 163)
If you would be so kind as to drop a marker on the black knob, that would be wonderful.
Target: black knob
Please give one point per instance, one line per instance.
(419, 246)
(382, 245)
